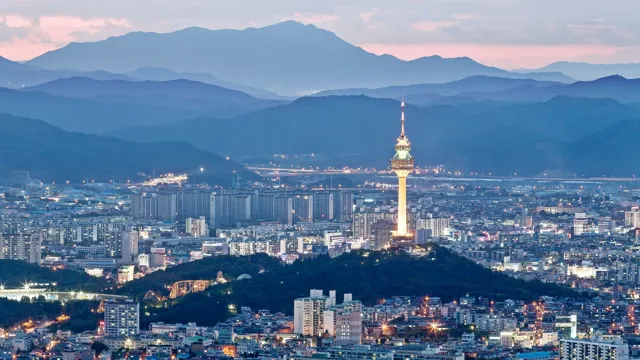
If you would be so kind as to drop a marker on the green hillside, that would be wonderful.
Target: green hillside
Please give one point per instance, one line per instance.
(369, 276)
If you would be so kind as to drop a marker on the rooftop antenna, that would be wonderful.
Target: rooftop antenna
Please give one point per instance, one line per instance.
(402, 118)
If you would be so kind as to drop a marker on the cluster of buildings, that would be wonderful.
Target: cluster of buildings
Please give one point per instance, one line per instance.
(320, 327)
(228, 208)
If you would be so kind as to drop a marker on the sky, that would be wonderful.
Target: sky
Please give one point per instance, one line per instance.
(510, 34)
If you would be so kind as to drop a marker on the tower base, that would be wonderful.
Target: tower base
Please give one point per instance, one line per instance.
(406, 240)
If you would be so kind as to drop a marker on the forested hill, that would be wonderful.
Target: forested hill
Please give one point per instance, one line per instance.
(369, 276)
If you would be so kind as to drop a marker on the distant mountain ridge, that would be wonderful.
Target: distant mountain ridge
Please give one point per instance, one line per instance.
(86, 115)
(289, 58)
(16, 75)
(612, 87)
(51, 154)
(482, 88)
(179, 88)
(352, 130)
(160, 74)
(179, 94)
(92, 106)
(470, 84)
(586, 71)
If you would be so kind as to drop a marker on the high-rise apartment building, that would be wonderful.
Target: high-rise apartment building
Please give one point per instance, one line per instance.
(610, 347)
(628, 273)
(25, 247)
(632, 218)
(265, 207)
(344, 321)
(193, 204)
(363, 222)
(381, 233)
(121, 318)
(241, 207)
(228, 208)
(439, 226)
(323, 206)
(283, 209)
(167, 207)
(197, 227)
(113, 244)
(308, 314)
(129, 249)
(580, 224)
(343, 202)
(303, 208)
(144, 206)
(221, 205)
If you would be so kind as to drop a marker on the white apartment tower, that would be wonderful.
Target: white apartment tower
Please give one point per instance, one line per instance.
(308, 313)
(632, 218)
(121, 318)
(580, 224)
(25, 247)
(197, 227)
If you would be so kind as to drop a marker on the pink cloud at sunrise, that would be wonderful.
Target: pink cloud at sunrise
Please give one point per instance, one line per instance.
(312, 18)
(22, 38)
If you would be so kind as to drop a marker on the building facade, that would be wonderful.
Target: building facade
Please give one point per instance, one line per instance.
(121, 318)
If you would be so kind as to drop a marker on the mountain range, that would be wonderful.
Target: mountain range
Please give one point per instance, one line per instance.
(480, 88)
(527, 138)
(586, 71)
(178, 93)
(477, 83)
(159, 74)
(52, 154)
(207, 87)
(288, 58)
(92, 106)
(611, 87)
(15, 75)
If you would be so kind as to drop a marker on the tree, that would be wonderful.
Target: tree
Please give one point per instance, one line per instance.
(98, 347)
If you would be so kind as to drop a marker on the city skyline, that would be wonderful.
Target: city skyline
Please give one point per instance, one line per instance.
(538, 34)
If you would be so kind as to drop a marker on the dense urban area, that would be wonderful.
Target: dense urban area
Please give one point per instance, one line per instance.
(171, 268)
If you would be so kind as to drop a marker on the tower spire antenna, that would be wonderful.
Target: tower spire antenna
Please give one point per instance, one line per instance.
(402, 117)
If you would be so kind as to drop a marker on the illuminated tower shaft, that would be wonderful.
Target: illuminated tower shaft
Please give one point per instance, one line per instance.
(402, 206)
(402, 165)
